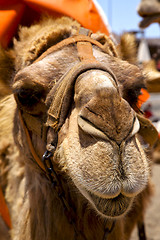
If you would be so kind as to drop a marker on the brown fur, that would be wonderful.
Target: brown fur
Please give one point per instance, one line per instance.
(6, 71)
(7, 108)
(11, 168)
(48, 33)
(84, 162)
(128, 48)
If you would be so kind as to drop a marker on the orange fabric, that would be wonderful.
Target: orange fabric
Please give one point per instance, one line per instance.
(142, 97)
(25, 12)
(4, 210)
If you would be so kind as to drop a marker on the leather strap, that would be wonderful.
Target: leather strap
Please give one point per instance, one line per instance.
(68, 41)
(85, 52)
(29, 141)
(35, 125)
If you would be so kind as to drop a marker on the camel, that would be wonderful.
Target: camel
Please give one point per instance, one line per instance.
(149, 11)
(77, 167)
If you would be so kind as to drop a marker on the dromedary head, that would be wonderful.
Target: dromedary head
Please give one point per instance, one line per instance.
(83, 109)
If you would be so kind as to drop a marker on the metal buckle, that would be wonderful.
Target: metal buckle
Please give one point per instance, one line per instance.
(46, 159)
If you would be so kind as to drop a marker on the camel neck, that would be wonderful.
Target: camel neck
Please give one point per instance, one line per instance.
(86, 222)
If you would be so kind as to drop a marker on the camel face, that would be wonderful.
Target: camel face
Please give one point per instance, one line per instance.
(150, 11)
(97, 143)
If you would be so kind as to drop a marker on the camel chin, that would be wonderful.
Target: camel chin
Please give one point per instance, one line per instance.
(114, 208)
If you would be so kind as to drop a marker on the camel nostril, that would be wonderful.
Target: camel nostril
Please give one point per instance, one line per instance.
(89, 128)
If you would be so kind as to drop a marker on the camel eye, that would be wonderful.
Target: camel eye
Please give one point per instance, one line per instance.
(30, 96)
(136, 127)
(27, 97)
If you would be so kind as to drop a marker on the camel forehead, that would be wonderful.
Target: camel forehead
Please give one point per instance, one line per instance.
(56, 64)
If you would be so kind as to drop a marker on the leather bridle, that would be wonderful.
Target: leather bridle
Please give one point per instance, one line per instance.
(64, 86)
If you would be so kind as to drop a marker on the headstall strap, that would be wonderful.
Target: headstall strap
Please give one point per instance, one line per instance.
(71, 40)
(30, 144)
(85, 50)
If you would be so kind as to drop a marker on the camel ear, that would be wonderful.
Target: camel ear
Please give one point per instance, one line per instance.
(147, 130)
(127, 48)
(6, 71)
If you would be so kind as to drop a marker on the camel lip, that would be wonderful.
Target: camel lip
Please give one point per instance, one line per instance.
(147, 20)
(111, 207)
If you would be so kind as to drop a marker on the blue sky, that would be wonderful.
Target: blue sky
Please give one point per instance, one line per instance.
(122, 16)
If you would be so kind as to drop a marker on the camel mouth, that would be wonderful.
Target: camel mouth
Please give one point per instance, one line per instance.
(111, 207)
(148, 19)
